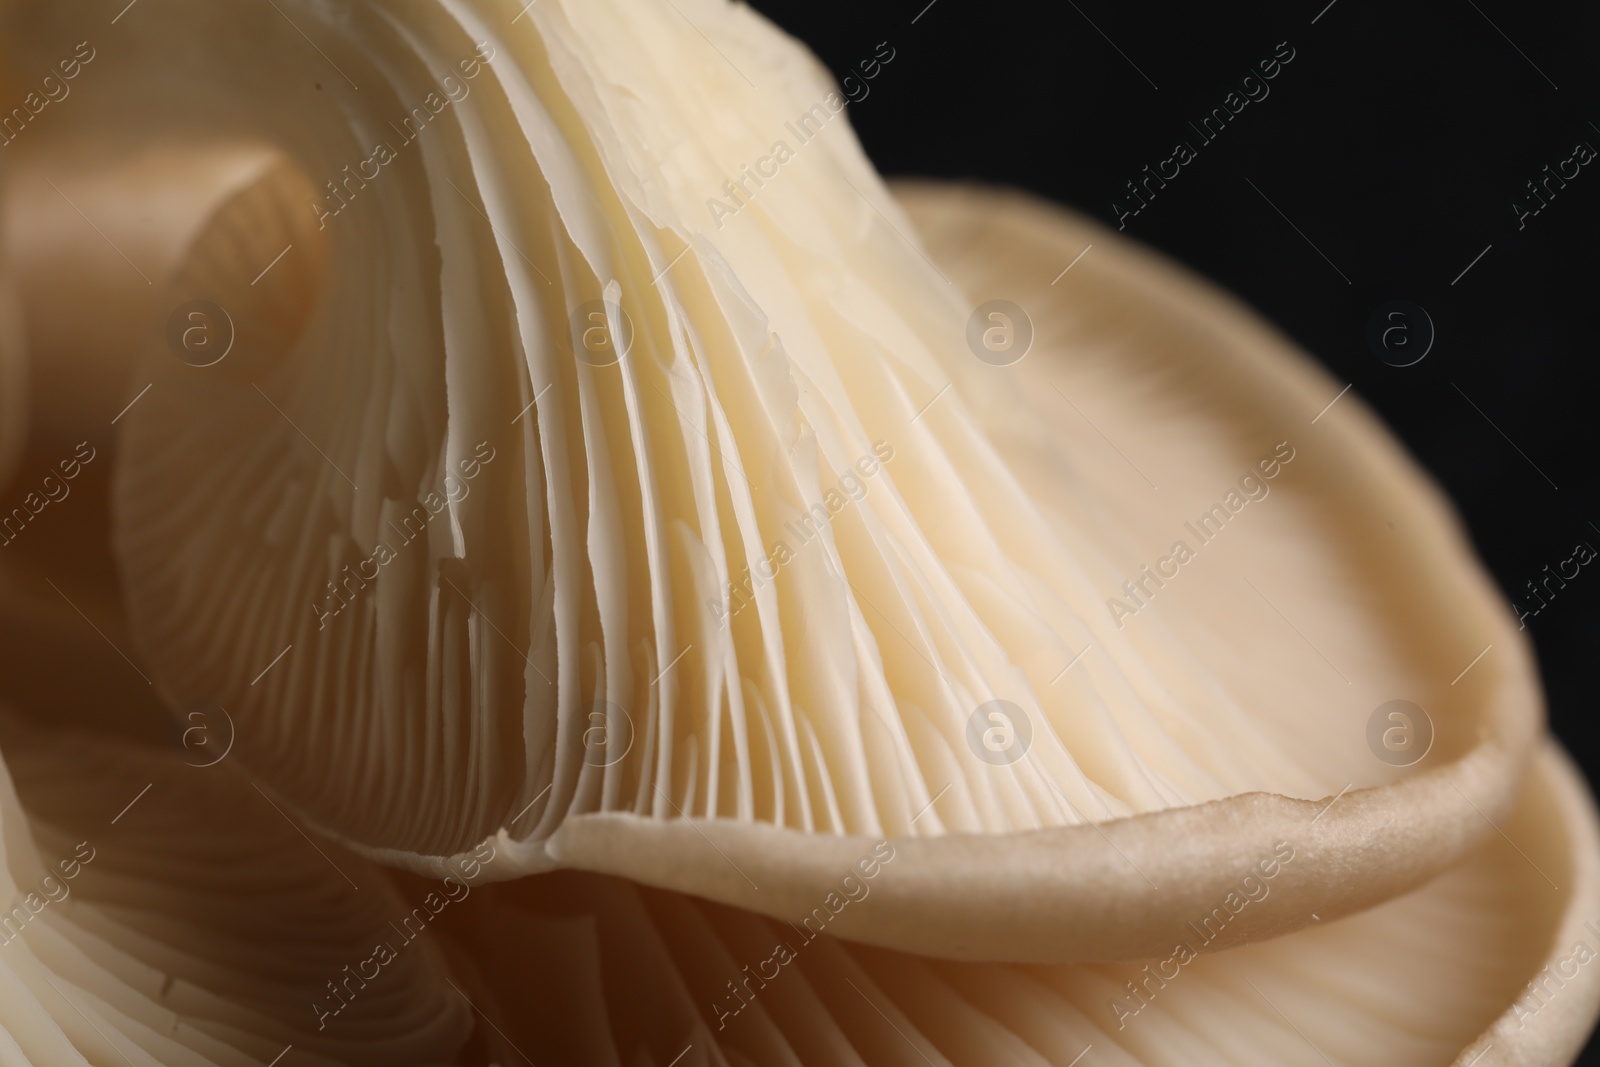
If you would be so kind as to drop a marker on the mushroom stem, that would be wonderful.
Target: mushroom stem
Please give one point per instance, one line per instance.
(93, 237)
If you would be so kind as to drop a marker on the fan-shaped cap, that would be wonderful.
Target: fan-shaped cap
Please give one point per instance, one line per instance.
(1494, 962)
(163, 913)
(1367, 569)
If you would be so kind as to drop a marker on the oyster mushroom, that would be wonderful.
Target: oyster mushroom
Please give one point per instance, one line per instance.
(549, 500)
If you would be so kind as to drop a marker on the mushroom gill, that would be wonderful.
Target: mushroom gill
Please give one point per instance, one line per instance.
(166, 914)
(568, 488)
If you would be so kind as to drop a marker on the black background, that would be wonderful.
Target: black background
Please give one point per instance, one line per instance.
(1396, 141)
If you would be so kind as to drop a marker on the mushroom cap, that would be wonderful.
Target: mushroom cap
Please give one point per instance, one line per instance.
(543, 500)
(162, 912)
(1355, 544)
(1493, 962)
